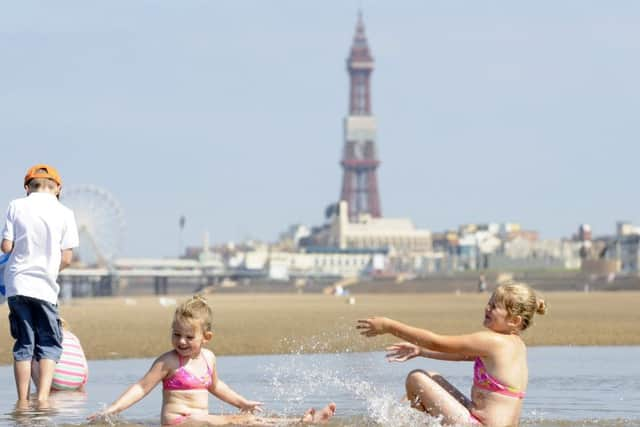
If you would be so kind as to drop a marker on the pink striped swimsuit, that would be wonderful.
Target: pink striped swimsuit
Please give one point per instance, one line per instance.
(72, 371)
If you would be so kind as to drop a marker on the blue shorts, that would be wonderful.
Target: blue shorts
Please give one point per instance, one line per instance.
(35, 325)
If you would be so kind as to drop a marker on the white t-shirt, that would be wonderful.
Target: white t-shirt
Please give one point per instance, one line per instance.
(40, 228)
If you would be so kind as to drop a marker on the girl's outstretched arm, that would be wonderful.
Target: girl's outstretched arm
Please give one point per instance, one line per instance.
(138, 390)
(477, 344)
(403, 351)
(225, 393)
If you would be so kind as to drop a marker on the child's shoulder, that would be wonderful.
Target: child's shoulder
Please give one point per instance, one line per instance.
(169, 359)
(209, 356)
(16, 202)
(208, 353)
(489, 338)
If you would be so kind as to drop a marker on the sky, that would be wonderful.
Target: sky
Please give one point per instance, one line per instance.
(230, 112)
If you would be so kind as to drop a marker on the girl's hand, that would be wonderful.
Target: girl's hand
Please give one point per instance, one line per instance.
(403, 351)
(251, 407)
(94, 416)
(102, 415)
(372, 326)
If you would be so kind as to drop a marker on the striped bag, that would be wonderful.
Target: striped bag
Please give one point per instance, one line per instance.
(71, 370)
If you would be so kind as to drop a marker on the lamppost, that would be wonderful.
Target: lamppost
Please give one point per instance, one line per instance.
(181, 222)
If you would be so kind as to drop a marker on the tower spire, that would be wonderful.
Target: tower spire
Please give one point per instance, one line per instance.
(359, 158)
(360, 66)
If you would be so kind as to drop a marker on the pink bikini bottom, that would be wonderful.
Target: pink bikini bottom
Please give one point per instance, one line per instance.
(179, 420)
(474, 421)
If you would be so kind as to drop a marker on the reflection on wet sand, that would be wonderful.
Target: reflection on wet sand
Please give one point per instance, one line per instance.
(60, 403)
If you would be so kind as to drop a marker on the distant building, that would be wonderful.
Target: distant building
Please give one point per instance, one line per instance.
(523, 254)
(503, 246)
(318, 263)
(399, 235)
(291, 238)
(584, 232)
(624, 247)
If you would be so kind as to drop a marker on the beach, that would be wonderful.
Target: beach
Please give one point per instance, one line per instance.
(250, 324)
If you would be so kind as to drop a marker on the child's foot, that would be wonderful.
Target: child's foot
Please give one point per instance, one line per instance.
(319, 417)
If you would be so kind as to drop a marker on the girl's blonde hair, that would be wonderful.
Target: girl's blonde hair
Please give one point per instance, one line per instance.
(195, 309)
(519, 300)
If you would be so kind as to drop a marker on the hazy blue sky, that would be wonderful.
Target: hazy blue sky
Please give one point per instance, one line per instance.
(231, 112)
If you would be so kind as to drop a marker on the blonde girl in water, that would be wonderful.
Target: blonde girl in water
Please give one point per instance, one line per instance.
(499, 356)
(188, 374)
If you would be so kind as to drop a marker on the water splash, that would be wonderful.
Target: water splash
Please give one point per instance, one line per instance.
(293, 384)
(107, 419)
(303, 379)
(334, 341)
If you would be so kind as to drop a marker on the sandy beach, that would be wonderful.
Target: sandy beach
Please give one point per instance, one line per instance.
(279, 324)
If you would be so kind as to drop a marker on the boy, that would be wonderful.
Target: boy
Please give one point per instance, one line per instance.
(40, 234)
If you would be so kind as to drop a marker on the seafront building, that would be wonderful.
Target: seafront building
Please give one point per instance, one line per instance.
(623, 247)
(398, 235)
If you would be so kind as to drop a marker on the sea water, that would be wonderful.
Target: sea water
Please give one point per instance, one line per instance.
(568, 386)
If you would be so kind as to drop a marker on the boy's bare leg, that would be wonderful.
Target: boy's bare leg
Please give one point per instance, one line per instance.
(35, 372)
(22, 374)
(47, 367)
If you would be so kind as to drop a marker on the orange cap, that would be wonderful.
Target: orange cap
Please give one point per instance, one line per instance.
(42, 171)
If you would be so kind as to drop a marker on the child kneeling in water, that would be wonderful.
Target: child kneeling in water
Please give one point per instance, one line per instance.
(72, 370)
(499, 355)
(188, 374)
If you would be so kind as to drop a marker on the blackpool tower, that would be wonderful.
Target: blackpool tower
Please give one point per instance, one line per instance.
(359, 157)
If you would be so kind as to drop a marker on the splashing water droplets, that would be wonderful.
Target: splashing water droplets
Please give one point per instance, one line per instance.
(311, 380)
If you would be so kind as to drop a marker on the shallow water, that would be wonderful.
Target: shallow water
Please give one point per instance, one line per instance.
(569, 386)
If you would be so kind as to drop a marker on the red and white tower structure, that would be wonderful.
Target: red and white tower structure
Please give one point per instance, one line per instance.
(359, 157)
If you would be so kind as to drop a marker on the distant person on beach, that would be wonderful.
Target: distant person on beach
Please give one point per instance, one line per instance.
(500, 360)
(72, 370)
(482, 284)
(40, 234)
(188, 374)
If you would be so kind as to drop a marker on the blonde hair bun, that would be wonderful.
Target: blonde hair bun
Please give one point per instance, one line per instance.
(520, 300)
(541, 306)
(199, 297)
(195, 309)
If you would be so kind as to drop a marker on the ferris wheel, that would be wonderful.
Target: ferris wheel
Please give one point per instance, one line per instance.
(101, 223)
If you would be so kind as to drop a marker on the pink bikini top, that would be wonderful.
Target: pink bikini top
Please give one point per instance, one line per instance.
(484, 380)
(185, 380)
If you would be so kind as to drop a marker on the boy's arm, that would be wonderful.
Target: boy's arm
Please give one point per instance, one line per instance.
(136, 391)
(66, 258)
(7, 246)
(70, 240)
(8, 236)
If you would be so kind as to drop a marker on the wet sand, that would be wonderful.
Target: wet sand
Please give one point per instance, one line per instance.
(277, 324)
